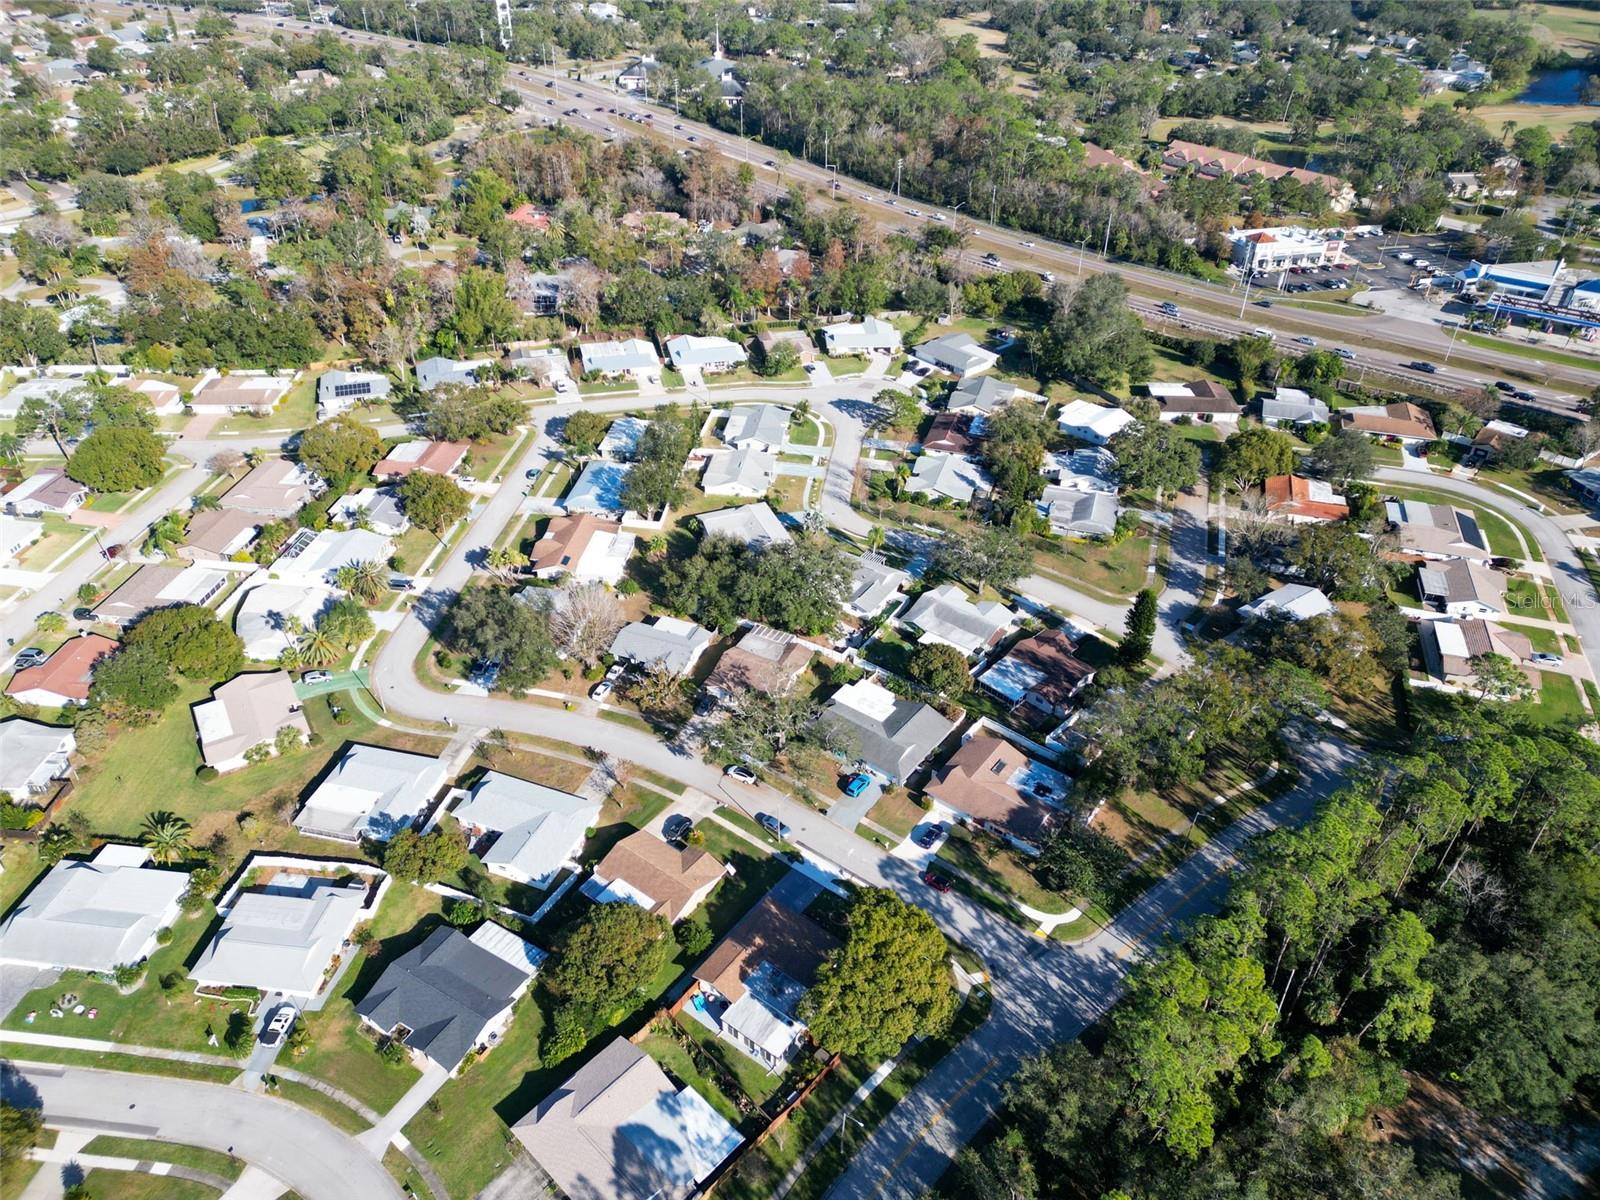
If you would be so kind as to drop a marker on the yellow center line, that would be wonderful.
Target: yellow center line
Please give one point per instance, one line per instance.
(916, 1137)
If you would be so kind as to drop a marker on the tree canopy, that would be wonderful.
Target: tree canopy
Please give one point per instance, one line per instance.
(117, 458)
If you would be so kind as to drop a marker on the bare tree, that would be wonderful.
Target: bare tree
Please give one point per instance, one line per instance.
(659, 690)
(584, 620)
(225, 462)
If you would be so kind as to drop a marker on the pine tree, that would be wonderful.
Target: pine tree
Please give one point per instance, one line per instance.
(1141, 629)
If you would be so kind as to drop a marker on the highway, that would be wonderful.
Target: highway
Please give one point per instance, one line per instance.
(1377, 344)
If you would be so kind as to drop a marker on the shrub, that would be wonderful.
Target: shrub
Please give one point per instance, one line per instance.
(694, 938)
(206, 774)
(629, 587)
(567, 1035)
(164, 935)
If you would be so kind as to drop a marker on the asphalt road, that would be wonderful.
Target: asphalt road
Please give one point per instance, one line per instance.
(305, 1152)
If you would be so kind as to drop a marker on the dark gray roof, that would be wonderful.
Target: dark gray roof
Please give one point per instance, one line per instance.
(445, 991)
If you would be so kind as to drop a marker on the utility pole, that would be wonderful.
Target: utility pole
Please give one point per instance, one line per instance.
(898, 163)
(1105, 248)
(1246, 299)
(994, 195)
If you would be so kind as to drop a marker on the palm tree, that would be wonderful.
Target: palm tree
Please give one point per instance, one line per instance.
(166, 836)
(11, 447)
(206, 503)
(319, 648)
(875, 538)
(164, 535)
(370, 581)
(506, 561)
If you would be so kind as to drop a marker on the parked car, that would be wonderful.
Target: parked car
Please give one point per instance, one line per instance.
(676, 828)
(706, 705)
(601, 690)
(939, 883)
(278, 1028)
(929, 837)
(316, 677)
(1547, 660)
(740, 774)
(772, 825)
(29, 656)
(855, 784)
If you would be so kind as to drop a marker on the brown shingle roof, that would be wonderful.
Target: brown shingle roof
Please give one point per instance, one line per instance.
(565, 539)
(1050, 652)
(667, 875)
(440, 458)
(950, 432)
(764, 660)
(976, 781)
(793, 944)
(1396, 420)
(213, 529)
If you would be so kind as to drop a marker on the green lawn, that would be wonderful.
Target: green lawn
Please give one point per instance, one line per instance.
(757, 1173)
(342, 1051)
(340, 1116)
(101, 1184)
(111, 1060)
(148, 1016)
(1117, 571)
(1500, 529)
(297, 410)
(153, 766)
(674, 1057)
(1559, 701)
(1520, 349)
(1000, 869)
(404, 1173)
(214, 1162)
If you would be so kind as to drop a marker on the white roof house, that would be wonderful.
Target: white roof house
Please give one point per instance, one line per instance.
(635, 356)
(670, 642)
(31, 755)
(1078, 513)
(952, 476)
(752, 524)
(1297, 601)
(705, 353)
(765, 426)
(947, 617)
(94, 915)
(957, 353)
(621, 441)
(540, 828)
(340, 391)
(1292, 406)
(17, 534)
(874, 586)
(265, 618)
(748, 471)
(373, 792)
(282, 938)
(310, 559)
(40, 387)
(869, 336)
(377, 509)
(598, 489)
(1092, 469)
(1093, 423)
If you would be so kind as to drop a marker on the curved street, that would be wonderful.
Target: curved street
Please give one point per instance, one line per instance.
(297, 1147)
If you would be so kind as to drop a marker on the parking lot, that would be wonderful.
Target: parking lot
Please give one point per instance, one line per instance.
(1375, 261)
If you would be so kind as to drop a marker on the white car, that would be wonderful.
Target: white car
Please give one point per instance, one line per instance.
(1547, 660)
(740, 774)
(316, 677)
(601, 690)
(278, 1028)
(1029, 245)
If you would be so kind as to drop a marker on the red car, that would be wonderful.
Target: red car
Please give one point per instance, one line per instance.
(935, 880)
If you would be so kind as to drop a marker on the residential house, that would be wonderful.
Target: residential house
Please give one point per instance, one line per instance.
(449, 372)
(269, 615)
(371, 794)
(705, 354)
(1079, 514)
(377, 509)
(747, 472)
(1092, 469)
(1461, 588)
(452, 994)
(154, 586)
(436, 458)
(314, 558)
(217, 534)
(94, 915)
(1094, 423)
(1585, 483)
(47, 490)
(1404, 422)
(764, 426)
(634, 357)
(584, 547)
(983, 396)
(619, 1129)
(40, 387)
(951, 433)
(957, 353)
(283, 936)
(1295, 408)
(891, 735)
(1212, 163)
(239, 393)
(867, 336)
(621, 442)
(769, 340)
(1437, 531)
(948, 477)
(16, 535)
(33, 756)
(65, 677)
(994, 785)
(722, 75)
(1293, 601)
(670, 643)
(752, 524)
(535, 830)
(1042, 672)
(874, 586)
(1495, 437)
(248, 711)
(547, 365)
(598, 489)
(275, 488)
(1449, 648)
(663, 879)
(340, 391)
(945, 616)
(748, 989)
(529, 216)
(1201, 400)
(166, 399)
(1303, 501)
(763, 660)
